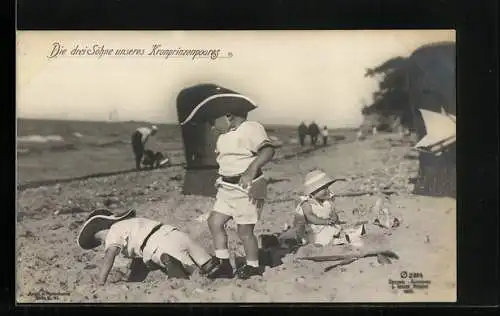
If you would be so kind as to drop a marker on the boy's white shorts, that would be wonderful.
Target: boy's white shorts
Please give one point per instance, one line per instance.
(237, 204)
(174, 243)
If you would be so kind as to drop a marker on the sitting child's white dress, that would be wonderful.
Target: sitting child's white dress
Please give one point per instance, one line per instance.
(321, 234)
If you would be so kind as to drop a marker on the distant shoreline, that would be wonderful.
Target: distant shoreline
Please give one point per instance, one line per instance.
(90, 121)
(158, 123)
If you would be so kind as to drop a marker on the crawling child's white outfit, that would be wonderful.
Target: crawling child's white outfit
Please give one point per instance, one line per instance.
(320, 234)
(130, 234)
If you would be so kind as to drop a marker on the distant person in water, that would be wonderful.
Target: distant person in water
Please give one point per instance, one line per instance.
(324, 133)
(313, 133)
(139, 139)
(302, 130)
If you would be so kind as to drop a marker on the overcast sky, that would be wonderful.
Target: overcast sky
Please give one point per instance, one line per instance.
(291, 75)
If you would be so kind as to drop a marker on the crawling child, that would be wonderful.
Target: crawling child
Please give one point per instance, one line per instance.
(159, 245)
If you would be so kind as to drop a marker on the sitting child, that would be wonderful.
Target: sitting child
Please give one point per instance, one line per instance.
(315, 215)
(158, 245)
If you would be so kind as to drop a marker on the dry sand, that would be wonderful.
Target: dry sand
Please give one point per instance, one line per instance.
(51, 268)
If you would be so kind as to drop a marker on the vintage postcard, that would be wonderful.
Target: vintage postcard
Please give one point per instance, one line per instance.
(236, 166)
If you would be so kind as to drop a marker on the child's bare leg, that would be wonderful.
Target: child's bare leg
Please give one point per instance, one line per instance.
(245, 231)
(216, 223)
(251, 268)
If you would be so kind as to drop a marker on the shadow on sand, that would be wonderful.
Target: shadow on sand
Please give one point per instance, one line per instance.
(268, 257)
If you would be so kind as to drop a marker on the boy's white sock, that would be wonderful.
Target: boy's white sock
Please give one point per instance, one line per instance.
(222, 253)
(253, 263)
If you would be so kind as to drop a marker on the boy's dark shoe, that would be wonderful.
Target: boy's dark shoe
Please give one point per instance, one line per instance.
(224, 270)
(246, 272)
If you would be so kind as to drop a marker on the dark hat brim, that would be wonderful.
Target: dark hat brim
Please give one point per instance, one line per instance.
(100, 211)
(220, 105)
(100, 219)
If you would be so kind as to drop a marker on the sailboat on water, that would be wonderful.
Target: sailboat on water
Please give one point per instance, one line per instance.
(113, 116)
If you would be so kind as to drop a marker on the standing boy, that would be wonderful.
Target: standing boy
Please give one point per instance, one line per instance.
(242, 149)
(241, 153)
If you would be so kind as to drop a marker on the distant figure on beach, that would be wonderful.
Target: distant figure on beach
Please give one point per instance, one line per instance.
(313, 133)
(359, 135)
(324, 133)
(139, 140)
(302, 130)
(154, 159)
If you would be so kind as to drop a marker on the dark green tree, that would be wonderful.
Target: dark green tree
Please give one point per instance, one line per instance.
(426, 79)
(391, 99)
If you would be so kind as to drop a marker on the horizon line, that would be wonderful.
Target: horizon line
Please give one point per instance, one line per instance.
(144, 121)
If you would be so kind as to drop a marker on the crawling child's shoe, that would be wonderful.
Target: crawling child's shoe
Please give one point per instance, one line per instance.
(224, 270)
(209, 266)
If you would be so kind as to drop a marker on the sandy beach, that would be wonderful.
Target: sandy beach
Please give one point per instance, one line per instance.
(51, 268)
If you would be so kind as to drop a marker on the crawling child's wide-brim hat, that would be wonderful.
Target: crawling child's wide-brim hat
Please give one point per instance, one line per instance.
(316, 180)
(98, 220)
(205, 102)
